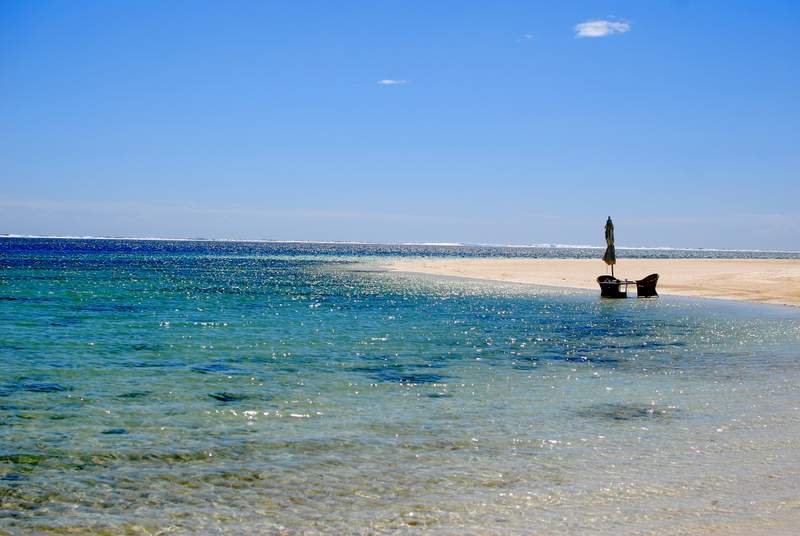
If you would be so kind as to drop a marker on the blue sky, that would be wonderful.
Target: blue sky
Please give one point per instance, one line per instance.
(512, 122)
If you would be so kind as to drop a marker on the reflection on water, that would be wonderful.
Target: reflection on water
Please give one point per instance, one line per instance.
(199, 390)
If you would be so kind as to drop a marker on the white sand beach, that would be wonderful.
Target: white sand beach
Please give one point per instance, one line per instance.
(755, 280)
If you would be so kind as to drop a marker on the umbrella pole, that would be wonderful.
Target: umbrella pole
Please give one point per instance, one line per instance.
(612, 270)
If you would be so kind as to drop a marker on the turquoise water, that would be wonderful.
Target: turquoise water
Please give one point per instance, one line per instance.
(212, 388)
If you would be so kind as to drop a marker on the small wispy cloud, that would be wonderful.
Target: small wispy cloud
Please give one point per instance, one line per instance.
(525, 37)
(391, 82)
(601, 28)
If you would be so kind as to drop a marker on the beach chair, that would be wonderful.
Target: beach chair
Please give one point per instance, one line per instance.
(611, 287)
(646, 287)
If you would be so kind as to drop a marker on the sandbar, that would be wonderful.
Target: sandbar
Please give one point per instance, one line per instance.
(774, 281)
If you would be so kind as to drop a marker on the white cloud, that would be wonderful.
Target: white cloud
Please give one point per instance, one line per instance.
(601, 28)
(390, 82)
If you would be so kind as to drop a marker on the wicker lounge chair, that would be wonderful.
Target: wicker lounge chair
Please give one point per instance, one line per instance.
(646, 287)
(611, 287)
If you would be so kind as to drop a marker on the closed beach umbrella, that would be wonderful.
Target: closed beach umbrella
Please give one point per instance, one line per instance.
(610, 256)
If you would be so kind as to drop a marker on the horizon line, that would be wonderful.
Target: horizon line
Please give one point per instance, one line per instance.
(367, 243)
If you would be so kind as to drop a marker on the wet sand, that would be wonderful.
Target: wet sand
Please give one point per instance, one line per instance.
(754, 280)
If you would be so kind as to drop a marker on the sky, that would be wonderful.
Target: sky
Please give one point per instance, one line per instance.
(503, 122)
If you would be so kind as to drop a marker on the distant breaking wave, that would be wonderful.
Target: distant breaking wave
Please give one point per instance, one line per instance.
(365, 243)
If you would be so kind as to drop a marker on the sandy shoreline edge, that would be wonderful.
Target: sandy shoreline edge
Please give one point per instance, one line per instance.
(772, 281)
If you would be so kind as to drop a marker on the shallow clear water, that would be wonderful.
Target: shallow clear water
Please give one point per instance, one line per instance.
(238, 389)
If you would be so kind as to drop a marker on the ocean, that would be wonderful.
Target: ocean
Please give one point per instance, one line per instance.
(283, 388)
